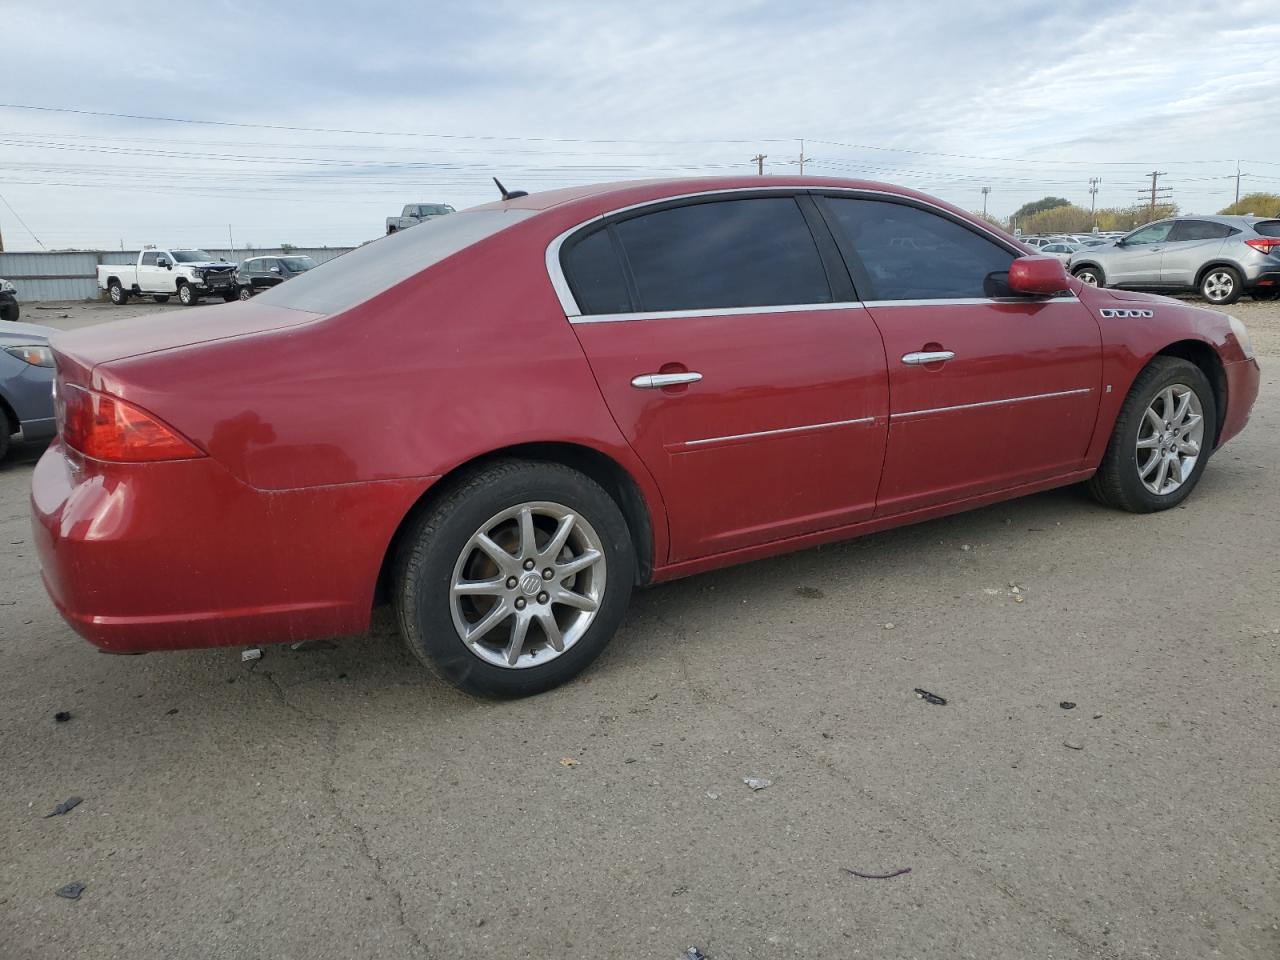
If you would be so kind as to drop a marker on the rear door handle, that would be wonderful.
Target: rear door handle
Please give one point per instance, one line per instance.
(928, 356)
(656, 381)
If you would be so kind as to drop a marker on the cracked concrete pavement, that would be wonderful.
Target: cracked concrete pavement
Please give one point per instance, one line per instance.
(342, 803)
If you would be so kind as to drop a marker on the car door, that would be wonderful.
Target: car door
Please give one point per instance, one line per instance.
(149, 270)
(1191, 244)
(267, 274)
(1136, 260)
(987, 391)
(728, 348)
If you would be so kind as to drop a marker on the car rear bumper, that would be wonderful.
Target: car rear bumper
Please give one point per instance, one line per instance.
(1242, 391)
(162, 556)
(1267, 279)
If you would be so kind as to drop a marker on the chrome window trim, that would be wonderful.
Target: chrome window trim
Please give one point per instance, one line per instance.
(990, 403)
(706, 441)
(961, 301)
(712, 312)
(570, 305)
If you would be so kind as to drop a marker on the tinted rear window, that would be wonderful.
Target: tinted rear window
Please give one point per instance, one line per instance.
(729, 253)
(354, 277)
(1199, 230)
(1268, 228)
(595, 275)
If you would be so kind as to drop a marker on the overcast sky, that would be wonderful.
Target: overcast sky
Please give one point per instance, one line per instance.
(1030, 99)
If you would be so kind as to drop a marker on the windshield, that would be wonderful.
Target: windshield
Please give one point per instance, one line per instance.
(434, 209)
(297, 264)
(191, 256)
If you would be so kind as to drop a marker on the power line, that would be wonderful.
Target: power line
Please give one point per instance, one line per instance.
(363, 133)
(23, 222)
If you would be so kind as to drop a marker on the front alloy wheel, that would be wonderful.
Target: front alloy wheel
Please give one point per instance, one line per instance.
(1170, 439)
(1090, 276)
(186, 295)
(1161, 440)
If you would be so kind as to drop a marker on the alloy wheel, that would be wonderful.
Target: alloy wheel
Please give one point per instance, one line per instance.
(1218, 286)
(527, 585)
(1087, 277)
(1170, 439)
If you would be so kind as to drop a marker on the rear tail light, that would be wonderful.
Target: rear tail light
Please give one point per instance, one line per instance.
(107, 428)
(1265, 244)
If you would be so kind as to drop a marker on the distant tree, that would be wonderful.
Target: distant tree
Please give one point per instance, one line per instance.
(1065, 218)
(1258, 204)
(1036, 206)
(288, 247)
(991, 219)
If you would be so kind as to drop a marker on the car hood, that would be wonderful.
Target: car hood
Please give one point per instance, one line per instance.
(1135, 296)
(25, 333)
(207, 263)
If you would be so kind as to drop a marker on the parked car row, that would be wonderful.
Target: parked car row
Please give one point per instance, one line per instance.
(192, 274)
(1220, 257)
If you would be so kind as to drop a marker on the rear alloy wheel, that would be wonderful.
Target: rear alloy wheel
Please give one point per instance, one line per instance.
(118, 294)
(1091, 276)
(517, 580)
(1161, 441)
(187, 296)
(1221, 286)
(245, 293)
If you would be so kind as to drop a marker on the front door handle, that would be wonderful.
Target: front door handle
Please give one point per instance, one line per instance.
(928, 356)
(656, 381)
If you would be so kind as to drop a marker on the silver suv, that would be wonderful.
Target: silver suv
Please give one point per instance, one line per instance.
(1221, 257)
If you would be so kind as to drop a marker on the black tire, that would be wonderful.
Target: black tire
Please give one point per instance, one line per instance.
(1117, 483)
(9, 312)
(7, 429)
(118, 294)
(437, 539)
(161, 298)
(245, 293)
(187, 296)
(1089, 270)
(1221, 286)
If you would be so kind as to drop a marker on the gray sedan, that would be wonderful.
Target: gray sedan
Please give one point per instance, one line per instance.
(26, 383)
(1220, 257)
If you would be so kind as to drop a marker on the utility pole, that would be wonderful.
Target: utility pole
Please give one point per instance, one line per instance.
(1237, 181)
(758, 160)
(985, 191)
(1155, 191)
(1, 241)
(802, 158)
(230, 242)
(1093, 200)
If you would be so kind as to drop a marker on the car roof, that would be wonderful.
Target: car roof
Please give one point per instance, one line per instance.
(595, 199)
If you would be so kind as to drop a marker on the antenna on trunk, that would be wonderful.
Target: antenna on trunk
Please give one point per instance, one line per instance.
(509, 194)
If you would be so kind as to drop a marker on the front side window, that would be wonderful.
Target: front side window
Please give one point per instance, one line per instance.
(912, 254)
(1155, 233)
(755, 252)
(297, 264)
(1199, 230)
(149, 259)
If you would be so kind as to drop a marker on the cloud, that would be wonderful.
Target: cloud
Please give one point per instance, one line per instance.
(1085, 89)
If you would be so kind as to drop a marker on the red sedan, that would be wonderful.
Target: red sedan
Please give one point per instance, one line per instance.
(504, 420)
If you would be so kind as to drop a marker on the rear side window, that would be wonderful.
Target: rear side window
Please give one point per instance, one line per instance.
(1199, 230)
(1267, 228)
(912, 254)
(354, 277)
(595, 275)
(728, 253)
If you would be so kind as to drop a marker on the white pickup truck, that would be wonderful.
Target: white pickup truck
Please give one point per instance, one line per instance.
(417, 213)
(160, 274)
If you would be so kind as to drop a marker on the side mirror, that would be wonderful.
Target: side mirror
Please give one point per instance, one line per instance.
(1038, 277)
(162, 262)
(275, 269)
